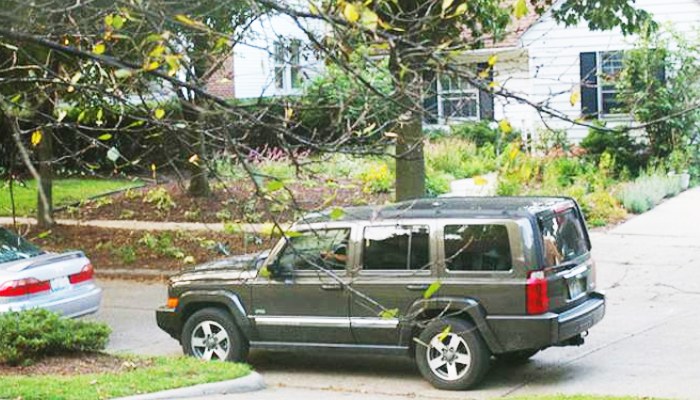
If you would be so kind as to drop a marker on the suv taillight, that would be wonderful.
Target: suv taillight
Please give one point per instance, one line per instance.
(23, 287)
(536, 289)
(85, 274)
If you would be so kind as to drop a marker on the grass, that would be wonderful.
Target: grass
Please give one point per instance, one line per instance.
(65, 192)
(165, 373)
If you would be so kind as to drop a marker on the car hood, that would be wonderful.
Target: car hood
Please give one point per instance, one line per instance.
(39, 260)
(239, 267)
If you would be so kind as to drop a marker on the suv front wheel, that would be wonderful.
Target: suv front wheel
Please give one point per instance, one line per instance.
(451, 354)
(210, 334)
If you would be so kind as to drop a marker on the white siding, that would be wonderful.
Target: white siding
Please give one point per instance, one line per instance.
(554, 56)
(512, 74)
(253, 58)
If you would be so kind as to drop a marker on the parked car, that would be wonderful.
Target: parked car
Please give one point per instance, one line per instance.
(450, 282)
(32, 278)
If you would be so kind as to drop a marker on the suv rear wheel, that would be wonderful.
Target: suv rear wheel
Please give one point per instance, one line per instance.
(454, 358)
(210, 334)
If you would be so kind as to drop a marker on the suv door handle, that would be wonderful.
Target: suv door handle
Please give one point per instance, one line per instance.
(331, 286)
(418, 287)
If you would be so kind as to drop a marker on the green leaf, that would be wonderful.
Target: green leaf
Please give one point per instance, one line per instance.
(520, 9)
(292, 234)
(105, 137)
(109, 19)
(118, 22)
(274, 185)
(389, 313)
(264, 272)
(44, 234)
(16, 98)
(337, 213)
(445, 332)
(432, 289)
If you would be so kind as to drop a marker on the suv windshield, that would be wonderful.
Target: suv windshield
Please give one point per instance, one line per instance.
(563, 236)
(13, 247)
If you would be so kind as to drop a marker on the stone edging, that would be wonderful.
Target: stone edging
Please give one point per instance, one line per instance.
(249, 383)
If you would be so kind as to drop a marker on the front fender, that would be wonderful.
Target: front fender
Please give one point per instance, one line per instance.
(230, 300)
(449, 306)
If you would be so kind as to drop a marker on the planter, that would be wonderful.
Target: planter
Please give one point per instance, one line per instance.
(685, 180)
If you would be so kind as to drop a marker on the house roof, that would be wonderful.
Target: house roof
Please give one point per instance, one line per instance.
(516, 28)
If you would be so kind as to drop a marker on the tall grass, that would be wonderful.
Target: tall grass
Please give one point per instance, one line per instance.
(645, 192)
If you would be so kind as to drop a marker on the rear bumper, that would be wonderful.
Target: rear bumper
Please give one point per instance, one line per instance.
(77, 301)
(549, 329)
(169, 321)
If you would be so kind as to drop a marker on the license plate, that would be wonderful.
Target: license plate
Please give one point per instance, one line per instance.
(59, 284)
(576, 287)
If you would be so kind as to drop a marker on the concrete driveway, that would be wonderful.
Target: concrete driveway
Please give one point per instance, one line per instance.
(646, 346)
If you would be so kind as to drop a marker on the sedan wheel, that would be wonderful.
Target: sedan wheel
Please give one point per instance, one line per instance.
(211, 334)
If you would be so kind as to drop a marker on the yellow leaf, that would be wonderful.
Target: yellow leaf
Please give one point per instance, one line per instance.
(389, 313)
(444, 333)
(153, 65)
(575, 97)
(369, 19)
(480, 181)
(99, 48)
(159, 113)
(461, 9)
(492, 60)
(446, 4)
(288, 113)
(153, 167)
(432, 289)
(494, 84)
(313, 9)
(157, 51)
(520, 9)
(351, 13)
(505, 126)
(194, 159)
(185, 20)
(36, 137)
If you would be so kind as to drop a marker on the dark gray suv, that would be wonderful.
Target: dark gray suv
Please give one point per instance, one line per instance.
(450, 282)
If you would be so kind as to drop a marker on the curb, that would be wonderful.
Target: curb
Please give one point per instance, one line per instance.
(249, 383)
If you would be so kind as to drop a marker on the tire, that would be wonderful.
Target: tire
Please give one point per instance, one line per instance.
(211, 334)
(463, 344)
(516, 357)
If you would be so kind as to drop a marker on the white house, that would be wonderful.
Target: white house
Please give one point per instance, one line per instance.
(540, 61)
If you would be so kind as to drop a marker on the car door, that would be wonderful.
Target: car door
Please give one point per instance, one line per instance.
(310, 303)
(395, 269)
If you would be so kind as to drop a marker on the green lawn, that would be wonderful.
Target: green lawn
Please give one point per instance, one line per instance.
(579, 397)
(165, 373)
(65, 192)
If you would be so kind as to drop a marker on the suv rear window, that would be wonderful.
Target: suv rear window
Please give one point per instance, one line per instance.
(477, 248)
(563, 236)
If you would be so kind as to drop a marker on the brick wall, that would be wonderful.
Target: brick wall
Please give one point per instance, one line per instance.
(221, 83)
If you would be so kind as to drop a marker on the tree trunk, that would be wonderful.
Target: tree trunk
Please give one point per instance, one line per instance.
(45, 184)
(410, 162)
(199, 180)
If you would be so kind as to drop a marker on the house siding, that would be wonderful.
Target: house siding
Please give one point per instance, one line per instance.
(554, 52)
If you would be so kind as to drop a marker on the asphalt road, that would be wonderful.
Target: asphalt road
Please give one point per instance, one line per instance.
(647, 345)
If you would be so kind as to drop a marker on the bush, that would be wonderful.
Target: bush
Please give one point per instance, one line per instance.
(30, 335)
(629, 154)
(377, 178)
(484, 133)
(459, 158)
(647, 191)
(601, 208)
(437, 182)
(160, 197)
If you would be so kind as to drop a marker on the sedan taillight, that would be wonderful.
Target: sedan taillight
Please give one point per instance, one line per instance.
(86, 274)
(23, 287)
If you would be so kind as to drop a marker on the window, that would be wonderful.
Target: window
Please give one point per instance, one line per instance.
(13, 247)
(311, 249)
(477, 248)
(563, 237)
(611, 65)
(396, 248)
(287, 63)
(457, 99)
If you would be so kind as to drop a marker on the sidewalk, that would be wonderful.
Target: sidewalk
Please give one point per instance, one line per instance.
(148, 225)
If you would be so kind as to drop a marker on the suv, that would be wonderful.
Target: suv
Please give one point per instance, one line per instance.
(449, 282)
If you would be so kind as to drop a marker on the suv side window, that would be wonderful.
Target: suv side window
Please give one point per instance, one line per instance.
(327, 248)
(477, 248)
(396, 248)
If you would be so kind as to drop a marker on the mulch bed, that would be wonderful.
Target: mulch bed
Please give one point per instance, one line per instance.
(76, 364)
(111, 249)
(236, 201)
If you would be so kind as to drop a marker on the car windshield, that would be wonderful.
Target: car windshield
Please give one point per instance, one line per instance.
(13, 247)
(563, 236)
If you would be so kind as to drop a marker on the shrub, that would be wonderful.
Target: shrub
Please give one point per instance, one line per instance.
(30, 335)
(484, 132)
(437, 182)
(601, 207)
(647, 191)
(377, 178)
(160, 198)
(459, 158)
(629, 153)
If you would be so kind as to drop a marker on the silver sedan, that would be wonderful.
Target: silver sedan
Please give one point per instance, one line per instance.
(32, 278)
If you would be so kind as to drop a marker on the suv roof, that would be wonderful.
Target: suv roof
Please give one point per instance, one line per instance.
(449, 207)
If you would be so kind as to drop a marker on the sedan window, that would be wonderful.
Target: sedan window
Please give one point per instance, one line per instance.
(13, 247)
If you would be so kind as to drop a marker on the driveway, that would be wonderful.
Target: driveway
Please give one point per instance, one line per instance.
(647, 345)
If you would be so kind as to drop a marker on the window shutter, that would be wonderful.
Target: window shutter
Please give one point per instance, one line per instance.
(430, 99)
(661, 72)
(589, 84)
(485, 96)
